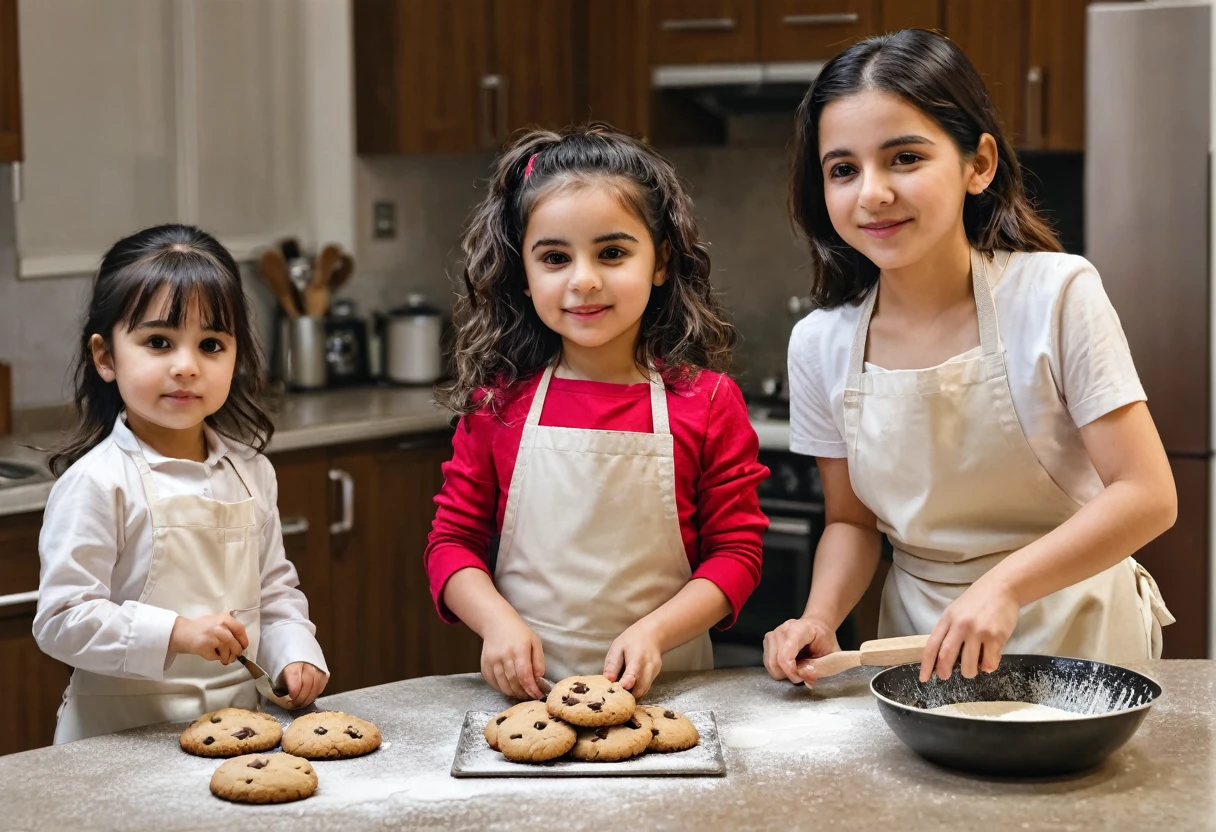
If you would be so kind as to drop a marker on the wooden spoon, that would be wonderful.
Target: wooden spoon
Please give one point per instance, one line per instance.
(883, 652)
(342, 272)
(273, 269)
(316, 293)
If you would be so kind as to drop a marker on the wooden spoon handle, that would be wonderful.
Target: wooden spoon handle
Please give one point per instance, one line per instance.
(832, 663)
(885, 652)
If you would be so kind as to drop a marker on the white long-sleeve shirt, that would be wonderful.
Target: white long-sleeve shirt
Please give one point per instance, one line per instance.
(96, 549)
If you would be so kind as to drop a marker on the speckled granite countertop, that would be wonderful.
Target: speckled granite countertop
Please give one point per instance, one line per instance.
(302, 420)
(830, 762)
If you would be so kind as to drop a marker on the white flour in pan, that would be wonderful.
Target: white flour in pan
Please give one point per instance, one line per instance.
(1006, 711)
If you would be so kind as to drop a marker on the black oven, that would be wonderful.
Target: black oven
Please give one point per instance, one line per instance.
(792, 499)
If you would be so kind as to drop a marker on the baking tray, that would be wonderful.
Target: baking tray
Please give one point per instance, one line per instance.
(476, 759)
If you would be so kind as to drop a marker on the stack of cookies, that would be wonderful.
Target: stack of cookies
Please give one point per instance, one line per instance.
(257, 777)
(592, 720)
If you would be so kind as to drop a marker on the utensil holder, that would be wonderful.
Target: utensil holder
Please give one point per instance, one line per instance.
(304, 353)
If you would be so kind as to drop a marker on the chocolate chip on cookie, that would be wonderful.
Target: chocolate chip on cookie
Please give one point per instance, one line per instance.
(670, 731)
(490, 732)
(330, 735)
(264, 778)
(590, 701)
(231, 731)
(614, 742)
(530, 734)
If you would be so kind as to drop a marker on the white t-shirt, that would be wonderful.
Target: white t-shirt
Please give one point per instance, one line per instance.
(96, 551)
(1066, 356)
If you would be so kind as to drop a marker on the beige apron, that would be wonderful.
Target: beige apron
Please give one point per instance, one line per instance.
(205, 559)
(591, 538)
(939, 456)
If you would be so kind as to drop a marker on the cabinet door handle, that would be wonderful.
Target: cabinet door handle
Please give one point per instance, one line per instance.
(18, 183)
(700, 24)
(348, 501)
(493, 125)
(295, 525)
(1034, 138)
(835, 19)
(18, 598)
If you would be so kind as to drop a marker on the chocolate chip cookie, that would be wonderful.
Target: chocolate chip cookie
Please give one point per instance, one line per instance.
(670, 731)
(330, 735)
(530, 734)
(490, 732)
(231, 731)
(264, 778)
(590, 701)
(614, 742)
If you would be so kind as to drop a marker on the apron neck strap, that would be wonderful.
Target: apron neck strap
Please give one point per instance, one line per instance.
(658, 401)
(145, 474)
(985, 310)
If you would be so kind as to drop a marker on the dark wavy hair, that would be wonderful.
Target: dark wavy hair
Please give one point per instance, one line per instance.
(197, 270)
(500, 338)
(931, 73)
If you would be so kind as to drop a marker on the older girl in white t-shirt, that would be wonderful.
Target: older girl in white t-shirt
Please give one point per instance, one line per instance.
(965, 387)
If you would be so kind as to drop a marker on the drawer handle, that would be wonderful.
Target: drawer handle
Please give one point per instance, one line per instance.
(295, 525)
(834, 19)
(18, 598)
(700, 24)
(781, 525)
(348, 501)
(1034, 108)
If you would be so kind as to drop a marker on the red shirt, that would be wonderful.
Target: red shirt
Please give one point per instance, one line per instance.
(715, 467)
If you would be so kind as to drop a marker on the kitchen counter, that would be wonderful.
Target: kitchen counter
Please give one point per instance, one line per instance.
(302, 420)
(829, 762)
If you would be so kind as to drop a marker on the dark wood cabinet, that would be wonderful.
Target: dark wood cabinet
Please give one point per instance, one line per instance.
(32, 683)
(911, 14)
(355, 522)
(814, 30)
(419, 71)
(1032, 56)
(462, 75)
(704, 31)
(10, 84)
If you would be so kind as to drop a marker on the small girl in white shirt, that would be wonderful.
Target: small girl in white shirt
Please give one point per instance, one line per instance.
(162, 554)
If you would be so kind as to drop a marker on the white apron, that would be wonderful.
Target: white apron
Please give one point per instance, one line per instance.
(939, 456)
(205, 559)
(591, 538)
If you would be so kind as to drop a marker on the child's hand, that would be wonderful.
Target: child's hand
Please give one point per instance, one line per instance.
(782, 646)
(218, 637)
(637, 650)
(304, 682)
(512, 658)
(976, 628)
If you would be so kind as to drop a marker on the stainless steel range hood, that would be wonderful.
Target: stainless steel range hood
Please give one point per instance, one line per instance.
(739, 88)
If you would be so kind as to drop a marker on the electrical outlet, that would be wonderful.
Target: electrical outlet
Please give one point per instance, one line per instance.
(384, 220)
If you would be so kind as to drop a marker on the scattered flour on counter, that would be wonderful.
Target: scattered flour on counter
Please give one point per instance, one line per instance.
(1006, 711)
(820, 727)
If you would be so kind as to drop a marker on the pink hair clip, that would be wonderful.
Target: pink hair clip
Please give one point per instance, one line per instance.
(528, 169)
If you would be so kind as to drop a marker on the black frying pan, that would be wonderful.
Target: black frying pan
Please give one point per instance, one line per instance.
(1114, 700)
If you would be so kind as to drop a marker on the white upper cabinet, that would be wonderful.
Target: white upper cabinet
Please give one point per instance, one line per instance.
(139, 112)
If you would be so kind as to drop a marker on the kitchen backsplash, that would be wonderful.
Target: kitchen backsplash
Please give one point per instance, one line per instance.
(740, 195)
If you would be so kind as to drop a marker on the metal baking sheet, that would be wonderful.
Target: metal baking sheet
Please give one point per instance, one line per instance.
(476, 759)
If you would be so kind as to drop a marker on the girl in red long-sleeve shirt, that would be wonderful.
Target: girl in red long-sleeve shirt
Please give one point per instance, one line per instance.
(598, 435)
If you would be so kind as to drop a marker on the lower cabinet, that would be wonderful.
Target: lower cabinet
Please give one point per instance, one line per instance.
(355, 521)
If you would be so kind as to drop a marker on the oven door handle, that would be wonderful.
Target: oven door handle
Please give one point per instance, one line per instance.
(790, 526)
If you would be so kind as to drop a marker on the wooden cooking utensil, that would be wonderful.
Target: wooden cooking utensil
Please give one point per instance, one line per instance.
(273, 269)
(316, 293)
(883, 652)
(342, 272)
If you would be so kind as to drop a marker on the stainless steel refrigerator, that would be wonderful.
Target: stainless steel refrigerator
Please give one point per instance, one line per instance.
(1148, 224)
